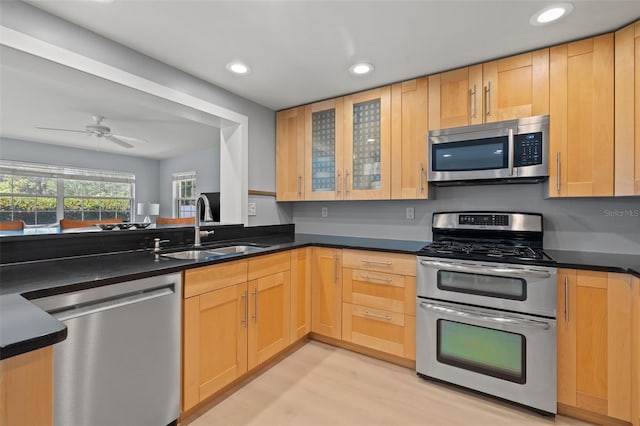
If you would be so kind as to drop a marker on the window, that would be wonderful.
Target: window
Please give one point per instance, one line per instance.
(184, 194)
(43, 194)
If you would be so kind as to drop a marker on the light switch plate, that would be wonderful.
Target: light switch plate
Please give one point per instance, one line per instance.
(251, 211)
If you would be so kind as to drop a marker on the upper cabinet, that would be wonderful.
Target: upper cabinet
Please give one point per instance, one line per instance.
(581, 118)
(508, 88)
(409, 139)
(323, 150)
(627, 110)
(290, 154)
(367, 145)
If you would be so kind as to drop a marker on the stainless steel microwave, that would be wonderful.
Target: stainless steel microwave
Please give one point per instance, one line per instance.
(513, 151)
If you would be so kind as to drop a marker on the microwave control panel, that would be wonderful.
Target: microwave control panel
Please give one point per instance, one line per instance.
(528, 149)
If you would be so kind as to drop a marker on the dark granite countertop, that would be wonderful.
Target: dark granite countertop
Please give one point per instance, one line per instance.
(25, 327)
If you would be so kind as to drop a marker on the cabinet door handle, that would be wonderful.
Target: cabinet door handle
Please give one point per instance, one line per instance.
(488, 90)
(377, 262)
(566, 299)
(378, 316)
(255, 305)
(245, 303)
(299, 186)
(421, 177)
(558, 171)
(346, 181)
(474, 106)
(335, 268)
(382, 279)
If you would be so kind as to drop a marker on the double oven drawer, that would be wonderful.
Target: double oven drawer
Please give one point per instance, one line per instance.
(379, 291)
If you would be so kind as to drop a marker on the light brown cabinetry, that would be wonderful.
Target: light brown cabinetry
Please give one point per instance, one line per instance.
(635, 353)
(409, 139)
(236, 315)
(326, 292)
(594, 327)
(300, 293)
(504, 89)
(290, 162)
(581, 118)
(379, 307)
(26, 388)
(627, 110)
(367, 145)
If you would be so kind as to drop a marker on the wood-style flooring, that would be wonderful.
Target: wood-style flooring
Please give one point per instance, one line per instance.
(321, 385)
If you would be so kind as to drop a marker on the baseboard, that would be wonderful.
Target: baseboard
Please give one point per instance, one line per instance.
(599, 419)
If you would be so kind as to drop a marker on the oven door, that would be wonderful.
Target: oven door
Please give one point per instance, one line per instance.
(513, 287)
(511, 356)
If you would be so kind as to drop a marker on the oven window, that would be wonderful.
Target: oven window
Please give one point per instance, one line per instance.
(495, 353)
(483, 285)
(479, 154)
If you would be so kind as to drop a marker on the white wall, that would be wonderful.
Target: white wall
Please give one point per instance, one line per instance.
(37, 23)
(589, 224)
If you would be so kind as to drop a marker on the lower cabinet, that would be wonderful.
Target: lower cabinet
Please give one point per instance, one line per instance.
(326, 292)
(300, 293)
(596, 368)
(236, 316)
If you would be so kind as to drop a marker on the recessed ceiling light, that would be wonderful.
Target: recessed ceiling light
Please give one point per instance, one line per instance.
(361, 68)
(238, 68)
(551, 14)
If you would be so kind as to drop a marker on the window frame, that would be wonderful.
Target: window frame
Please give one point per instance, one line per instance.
(177, 180)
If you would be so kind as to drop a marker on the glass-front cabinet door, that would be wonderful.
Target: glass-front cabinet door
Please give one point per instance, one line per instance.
(367, 134)
(323, 150)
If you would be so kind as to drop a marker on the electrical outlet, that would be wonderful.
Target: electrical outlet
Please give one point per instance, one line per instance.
(325, 212)
(410, 213)
(251, 211)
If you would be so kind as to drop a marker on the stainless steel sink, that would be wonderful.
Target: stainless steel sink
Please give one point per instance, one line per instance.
(206, 253)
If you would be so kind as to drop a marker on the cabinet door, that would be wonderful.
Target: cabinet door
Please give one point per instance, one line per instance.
(323, 150)
(455, 98)
(367, 139)
(627, 110)
(290, 154)
(635, 353)
(300, 293)
(594, 342)
(269, 316)
(581, 118)
(326, 292)
(215, 342)
(409, 139)
(516, 87)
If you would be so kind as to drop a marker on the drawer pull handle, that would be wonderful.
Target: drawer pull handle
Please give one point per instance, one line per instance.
(377, 262)
(378, 316)
(370, 278)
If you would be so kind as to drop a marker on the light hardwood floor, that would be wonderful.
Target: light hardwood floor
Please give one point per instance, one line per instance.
(321, 385)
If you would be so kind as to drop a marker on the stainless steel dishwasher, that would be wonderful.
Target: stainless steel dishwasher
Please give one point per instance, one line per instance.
(120, 364)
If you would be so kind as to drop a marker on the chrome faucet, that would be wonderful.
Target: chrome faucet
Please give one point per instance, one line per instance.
(203, 202)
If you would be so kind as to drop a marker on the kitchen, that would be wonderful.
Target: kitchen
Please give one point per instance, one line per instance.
(570, 223)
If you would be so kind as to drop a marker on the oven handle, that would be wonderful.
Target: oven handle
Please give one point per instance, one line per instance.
(473, 269)
(482, 316)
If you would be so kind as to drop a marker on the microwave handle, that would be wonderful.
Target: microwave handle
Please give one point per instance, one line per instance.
(511, 153)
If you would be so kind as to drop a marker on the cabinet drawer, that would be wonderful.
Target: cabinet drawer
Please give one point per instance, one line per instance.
(403, 264)
(208, 278)
(378, 329)
(391, 292)
(270, 264)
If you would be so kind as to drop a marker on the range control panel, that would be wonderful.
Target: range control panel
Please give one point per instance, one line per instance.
(484, 219)
(528, 149)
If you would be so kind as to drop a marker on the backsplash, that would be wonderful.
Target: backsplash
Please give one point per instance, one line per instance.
(586, 224)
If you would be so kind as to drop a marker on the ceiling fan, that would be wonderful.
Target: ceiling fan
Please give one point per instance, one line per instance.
(99, 130)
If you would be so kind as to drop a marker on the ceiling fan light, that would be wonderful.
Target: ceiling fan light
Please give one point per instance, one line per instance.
(550, 14)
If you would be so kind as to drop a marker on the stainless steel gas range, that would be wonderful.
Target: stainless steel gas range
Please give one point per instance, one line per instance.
(486, 307)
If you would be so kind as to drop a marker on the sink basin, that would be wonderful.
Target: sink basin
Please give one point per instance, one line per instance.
(206, 253)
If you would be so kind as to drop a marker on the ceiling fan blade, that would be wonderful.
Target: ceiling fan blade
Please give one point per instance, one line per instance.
(116, 140)
(62, 130)
(130, 139)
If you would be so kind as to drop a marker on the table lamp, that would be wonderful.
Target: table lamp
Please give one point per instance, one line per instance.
(148, 209)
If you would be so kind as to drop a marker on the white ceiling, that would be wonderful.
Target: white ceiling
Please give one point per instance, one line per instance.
(299, 51)
(40, 93)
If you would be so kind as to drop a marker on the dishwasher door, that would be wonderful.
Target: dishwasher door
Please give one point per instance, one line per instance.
(120, 364)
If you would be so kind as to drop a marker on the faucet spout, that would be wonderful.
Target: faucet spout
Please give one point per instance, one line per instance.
(202, 202)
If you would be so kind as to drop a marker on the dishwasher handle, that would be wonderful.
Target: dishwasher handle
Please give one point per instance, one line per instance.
(71, 312)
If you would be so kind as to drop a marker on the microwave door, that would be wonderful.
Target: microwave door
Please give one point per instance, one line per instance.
(486, 158)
